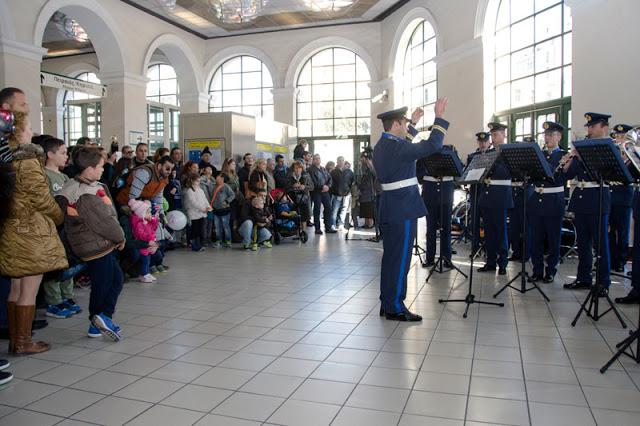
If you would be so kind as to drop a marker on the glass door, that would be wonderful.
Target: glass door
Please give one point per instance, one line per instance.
(83, 118)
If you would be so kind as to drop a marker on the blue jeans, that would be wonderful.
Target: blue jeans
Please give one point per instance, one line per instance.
(321, 199)
(134, 255)
(249, 236)
(222, 223)
(106, 284)
(339, 208)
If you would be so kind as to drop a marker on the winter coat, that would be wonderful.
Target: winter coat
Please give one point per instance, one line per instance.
(320, 177)
(144, 230)
(91, 221)
(196, 203)
(29, 242)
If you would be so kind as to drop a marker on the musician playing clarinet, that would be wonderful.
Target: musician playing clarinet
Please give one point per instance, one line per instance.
(620, 216)
(546, 207)
(585, 203)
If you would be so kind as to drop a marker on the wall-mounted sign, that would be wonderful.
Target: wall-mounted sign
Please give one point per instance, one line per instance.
(68, 83)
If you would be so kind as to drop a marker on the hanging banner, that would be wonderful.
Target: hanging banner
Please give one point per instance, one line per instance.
(68, 83)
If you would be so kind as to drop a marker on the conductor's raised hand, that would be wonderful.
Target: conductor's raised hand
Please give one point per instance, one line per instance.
(441, 107)
(417, 115)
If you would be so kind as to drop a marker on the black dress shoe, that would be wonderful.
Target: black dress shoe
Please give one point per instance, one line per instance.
(429, 263)
(535, 278)
(548, 278)
(382, 312)
(447, 263)
(603, 292)
(454, 251)
(331, 231)
(515, 258)
(629, 299)
(403, 316)
(577, 285)
(318, 232)
(39, 324)
(502, 271)
(619, 268)
(487, 268)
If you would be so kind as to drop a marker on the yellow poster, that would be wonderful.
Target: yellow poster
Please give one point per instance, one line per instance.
(264, 147)
(203, 144)
(280, 149)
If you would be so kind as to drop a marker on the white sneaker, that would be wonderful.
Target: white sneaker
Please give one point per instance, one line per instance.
(147, 278)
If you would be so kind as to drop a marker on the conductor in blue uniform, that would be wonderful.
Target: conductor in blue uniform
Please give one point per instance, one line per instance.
(585, 201)
(433, 188)
(394, 158)
(495, 199)
(546, 208)
(620, 216)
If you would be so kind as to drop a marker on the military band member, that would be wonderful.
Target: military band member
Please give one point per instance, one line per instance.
(546, 208)
(431, 189)
(620, 216)
(634, 295)
(394, 158)
(585, 204)
(484, 143)
(495, 199)
(516, 216)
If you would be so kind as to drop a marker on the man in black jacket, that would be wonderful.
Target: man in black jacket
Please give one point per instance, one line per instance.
(321, 184)
(243, 173)
(343, 180)
(280, 173)
(300, 149)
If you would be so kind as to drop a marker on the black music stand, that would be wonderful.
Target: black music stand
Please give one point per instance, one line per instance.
(439, 165)
(602, 161)
(476, 172)
(525, 161)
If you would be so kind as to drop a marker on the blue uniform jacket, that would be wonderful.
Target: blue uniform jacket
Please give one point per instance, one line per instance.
(394, 160)
(496, 196)
(621, 195)
(431, 190)
(586, 200)
(549, 204)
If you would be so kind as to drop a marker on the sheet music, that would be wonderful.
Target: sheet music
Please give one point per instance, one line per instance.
(475, 174)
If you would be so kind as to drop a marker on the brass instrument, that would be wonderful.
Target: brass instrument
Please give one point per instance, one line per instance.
(630, 150)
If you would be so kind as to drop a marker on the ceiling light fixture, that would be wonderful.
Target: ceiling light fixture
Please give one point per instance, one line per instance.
(238, 11)
(327, 5)
(69, 27)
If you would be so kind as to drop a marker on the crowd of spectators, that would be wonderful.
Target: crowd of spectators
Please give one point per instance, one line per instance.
(110, 209)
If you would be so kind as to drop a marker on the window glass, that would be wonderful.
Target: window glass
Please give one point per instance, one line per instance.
(163, 84)
(330, 87)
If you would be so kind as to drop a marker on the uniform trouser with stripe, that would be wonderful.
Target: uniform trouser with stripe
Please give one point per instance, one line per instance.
(587, 233)
(433, 222)
(495, 236)
(619, 221)
(396, 261)
(551, 228)
(516, 231)
(635, 253)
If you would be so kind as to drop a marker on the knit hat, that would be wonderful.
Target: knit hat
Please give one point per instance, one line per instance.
(139, 207)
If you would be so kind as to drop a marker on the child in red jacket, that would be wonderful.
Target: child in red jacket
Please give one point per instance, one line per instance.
(143, 226)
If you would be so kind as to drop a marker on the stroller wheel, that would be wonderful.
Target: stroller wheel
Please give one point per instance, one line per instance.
(303, 237)
(276, 238)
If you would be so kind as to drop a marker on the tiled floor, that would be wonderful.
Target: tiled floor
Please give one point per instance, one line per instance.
(291, 335)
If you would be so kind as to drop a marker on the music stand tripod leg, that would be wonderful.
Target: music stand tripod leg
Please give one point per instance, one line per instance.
(626, 344)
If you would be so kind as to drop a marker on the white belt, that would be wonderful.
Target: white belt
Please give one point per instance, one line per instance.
(432, 179)
(583, 185)
(499, 182)
(551, 190)
(399, 184)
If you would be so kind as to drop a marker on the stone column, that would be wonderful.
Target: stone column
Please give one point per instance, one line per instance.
(194, 102)
(284, 105)
(20, 67)
(384, 104)
(124, 109)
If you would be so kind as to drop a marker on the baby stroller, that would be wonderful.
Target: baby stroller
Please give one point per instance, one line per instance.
(287, 221)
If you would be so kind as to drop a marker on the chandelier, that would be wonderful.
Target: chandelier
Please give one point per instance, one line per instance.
(238, 11)
(69, 27)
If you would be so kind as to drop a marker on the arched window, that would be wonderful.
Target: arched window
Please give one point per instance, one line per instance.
(532, 64)
(334, 98)
(82, 113)
(163, 84)
(242, 84)
(419, 77)
(163, 107)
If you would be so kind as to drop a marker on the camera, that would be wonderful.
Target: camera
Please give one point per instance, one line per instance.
(367, 153)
